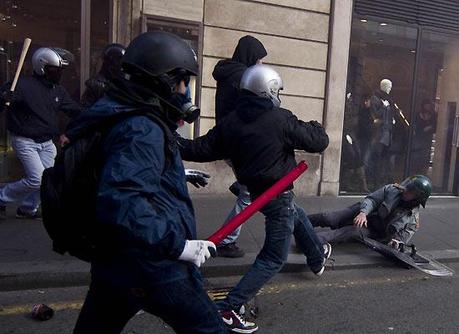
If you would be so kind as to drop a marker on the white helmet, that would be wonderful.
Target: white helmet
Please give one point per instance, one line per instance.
(263, 81)
(50, 57)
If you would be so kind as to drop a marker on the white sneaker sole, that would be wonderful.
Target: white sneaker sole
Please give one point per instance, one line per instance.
(319, 273)
(244, 331)
(329, 251)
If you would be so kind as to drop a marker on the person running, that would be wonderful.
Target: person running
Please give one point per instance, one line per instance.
(260, 138)
(33, 124)
(149, 255)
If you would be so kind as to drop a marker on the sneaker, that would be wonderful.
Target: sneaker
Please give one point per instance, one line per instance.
(21, 214)
(230, 250)
(327, 253)
(236, 322)
(2, 212)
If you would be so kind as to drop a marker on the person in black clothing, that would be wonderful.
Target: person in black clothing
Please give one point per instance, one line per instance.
(260, 138)
(352, 171)
(425, 128)
(111, 69)
(228, 73)
(249, 51)
(32, 123)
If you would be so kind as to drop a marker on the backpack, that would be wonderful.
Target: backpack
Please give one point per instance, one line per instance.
(69, 189)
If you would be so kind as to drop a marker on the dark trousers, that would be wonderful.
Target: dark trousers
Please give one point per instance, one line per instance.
(182, 304)
(283, 219)
(341, 224)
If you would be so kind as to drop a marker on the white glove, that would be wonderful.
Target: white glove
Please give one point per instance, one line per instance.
(197, 251)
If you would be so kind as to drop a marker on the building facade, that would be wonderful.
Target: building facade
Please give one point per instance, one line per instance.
(331, 54)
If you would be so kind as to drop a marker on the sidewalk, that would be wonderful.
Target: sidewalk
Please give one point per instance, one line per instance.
(27, 261)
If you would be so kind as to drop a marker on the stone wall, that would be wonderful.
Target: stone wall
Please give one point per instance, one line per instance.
(296, 34)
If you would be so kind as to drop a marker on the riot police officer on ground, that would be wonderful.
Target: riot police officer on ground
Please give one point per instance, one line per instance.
(390, 214)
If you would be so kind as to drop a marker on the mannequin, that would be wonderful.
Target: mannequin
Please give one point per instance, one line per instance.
(386, 86)
(382, 110)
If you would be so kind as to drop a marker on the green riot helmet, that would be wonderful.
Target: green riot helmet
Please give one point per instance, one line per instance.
(419, 185)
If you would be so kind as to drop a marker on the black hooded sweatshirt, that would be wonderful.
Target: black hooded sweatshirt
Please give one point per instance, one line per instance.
(228, 74)
(259, 139)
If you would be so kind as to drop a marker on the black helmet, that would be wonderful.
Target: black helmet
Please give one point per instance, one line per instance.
(113, 51)
(112, 56)
(420, 185)
(158, 54)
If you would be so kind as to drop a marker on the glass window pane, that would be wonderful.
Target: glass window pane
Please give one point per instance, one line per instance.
(434, 145)
(377, 124)
(100, 11)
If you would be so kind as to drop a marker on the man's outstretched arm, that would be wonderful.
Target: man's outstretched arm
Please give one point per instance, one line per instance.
(202, 149)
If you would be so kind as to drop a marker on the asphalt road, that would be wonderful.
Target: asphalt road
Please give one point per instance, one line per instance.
(378, 300)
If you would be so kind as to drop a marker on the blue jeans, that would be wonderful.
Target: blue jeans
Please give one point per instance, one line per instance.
(35, 158)
(182, 304)
(243, 201)
(283, 218)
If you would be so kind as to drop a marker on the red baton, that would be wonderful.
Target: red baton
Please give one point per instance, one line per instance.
(257, 204)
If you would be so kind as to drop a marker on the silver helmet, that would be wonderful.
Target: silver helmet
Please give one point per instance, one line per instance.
(263, 81)
(50, 57)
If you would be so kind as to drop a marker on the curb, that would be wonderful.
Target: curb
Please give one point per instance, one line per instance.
(41, 275)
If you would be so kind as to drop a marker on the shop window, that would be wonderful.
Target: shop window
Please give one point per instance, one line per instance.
(377, 125)
(434, 145)
(191, 32)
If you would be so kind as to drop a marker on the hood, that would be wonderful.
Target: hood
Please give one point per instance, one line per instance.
(122, 97)
(226, 69)
(250, 106)
(248, 51)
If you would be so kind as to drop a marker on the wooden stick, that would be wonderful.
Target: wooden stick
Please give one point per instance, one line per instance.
(25, 48)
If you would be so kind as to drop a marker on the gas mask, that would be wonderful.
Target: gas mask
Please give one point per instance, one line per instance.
(186, 110)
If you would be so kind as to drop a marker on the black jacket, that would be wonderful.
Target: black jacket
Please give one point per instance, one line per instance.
(33, 112)
(383, 112)
(228, 74)
(260, 140)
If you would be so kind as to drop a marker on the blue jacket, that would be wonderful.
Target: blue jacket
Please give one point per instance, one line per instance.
(143, 204)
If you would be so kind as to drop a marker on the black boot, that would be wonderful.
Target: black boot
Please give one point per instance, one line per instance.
(230, 250)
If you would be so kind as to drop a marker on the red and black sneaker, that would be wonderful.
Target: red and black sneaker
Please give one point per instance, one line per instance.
(236, 322)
